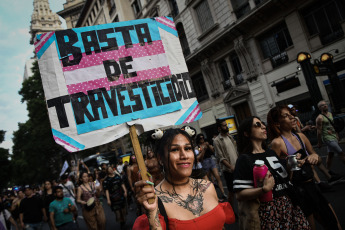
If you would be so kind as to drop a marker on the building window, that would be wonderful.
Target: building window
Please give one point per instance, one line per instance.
(324, 18)
(241, 7)
(183, 39)
(204, 15)
(274, 43)
(174, 8)
(200, 87)
(136, 5)
(236, 65)
(224, 70)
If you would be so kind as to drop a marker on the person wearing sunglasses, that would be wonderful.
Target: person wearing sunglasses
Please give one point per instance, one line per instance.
(279, 213)
(285, 142)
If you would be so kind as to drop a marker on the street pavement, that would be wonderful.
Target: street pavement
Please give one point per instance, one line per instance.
(335, 197)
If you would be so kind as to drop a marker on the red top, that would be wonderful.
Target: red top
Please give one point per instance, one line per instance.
(214, 219)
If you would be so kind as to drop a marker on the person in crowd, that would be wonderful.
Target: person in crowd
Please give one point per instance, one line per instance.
(68, 188)
(299, 125)
(226, 153)
(327, 134)
(116, 194)
(332, 178)
(15, 206)
(285, 143)
(153, 167)
(5, 217)
(279, 213)
(48, 197)
(119, 166)
(92, 210)
(54, 183)
(103, 173)
(184, 203)
(133, 176)
(132, 171)
(62, 211)
(31, 210)
(208, 163)
(127, 185)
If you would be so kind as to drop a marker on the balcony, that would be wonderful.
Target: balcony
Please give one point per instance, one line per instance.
(279, 59)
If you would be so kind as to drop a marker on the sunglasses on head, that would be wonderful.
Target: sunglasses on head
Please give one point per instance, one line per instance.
(259, 124)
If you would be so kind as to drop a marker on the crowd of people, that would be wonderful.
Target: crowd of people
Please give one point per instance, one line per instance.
(184, 170)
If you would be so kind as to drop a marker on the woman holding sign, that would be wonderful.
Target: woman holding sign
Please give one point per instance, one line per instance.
(182, 201)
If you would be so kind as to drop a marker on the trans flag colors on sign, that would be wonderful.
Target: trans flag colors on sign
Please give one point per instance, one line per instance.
(98, 80)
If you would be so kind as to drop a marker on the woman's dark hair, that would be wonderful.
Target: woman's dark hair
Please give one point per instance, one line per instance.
(164, 144)
(81, 176)
(198, 138)
(273, 119)
(244, 143)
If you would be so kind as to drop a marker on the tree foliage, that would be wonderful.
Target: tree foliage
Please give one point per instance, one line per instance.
(4, 163)
(36, 156)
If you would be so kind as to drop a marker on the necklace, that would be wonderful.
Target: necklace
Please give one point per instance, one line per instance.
(173, 184)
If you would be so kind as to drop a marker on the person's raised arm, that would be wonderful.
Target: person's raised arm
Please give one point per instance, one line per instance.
(144, 193)
(254, 193)
(85, 166)
(319, 130)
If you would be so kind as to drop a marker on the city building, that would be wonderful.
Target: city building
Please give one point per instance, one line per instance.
(71, 11)
(241, 54)
(43, 20)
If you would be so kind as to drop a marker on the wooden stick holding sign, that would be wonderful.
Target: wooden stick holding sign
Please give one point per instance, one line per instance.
(139, 156)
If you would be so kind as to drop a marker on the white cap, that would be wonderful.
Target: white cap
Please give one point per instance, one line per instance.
(259, 162)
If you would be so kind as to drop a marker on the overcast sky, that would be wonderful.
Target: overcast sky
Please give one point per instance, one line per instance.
(15, 16)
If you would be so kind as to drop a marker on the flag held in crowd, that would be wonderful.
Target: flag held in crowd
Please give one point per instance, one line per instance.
(99, 79)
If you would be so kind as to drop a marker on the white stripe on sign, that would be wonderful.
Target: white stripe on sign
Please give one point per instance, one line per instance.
(97, 72)
(243, 182)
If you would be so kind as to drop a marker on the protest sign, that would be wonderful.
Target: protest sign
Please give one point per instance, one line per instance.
(100, 79)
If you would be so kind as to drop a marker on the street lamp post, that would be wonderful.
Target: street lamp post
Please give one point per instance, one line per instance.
(338, 94)
(303, 59)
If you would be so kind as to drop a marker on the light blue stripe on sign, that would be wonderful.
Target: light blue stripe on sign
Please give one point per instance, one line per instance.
(46, 46)
(186, 114)
(68, 139)
(167, 29)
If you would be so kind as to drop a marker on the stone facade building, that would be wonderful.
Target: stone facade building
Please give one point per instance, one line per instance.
(43, 19)
(71, 12)
(241, 54)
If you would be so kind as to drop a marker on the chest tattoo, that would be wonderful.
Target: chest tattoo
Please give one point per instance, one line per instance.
(193, 203)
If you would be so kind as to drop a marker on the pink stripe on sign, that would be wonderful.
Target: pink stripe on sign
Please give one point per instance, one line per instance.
(166, 22)
(136, 51)
(70, 147)
(193, 115)
(103, 82)
(43, 41)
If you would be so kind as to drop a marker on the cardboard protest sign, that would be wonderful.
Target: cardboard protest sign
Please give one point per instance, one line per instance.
(99, 79)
